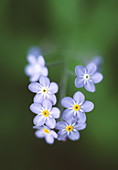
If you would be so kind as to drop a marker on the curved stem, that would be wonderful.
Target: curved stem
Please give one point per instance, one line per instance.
(51, 64)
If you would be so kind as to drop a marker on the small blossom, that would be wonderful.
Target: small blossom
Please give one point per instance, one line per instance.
(69, 128)
(44, 90)
(87, 77)
(76, 107)
(36, 67)
(46, 114)
(45, 132)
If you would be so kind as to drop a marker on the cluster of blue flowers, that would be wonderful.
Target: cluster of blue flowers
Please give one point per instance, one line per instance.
(74, 117)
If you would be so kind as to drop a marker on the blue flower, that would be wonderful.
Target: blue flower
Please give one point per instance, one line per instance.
(36, 67)
(44, 90)
(69, 129)
(46, 114)
(76, 106)
(45, 132)
(87, 77)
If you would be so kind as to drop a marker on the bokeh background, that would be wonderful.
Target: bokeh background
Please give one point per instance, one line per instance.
(70, 31)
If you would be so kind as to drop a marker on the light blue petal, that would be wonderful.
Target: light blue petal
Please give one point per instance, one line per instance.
(50, 122)
(74, 135)
(53, 88)
(41, 60)
(44, 71)
(79, 70)
(71, 121)
(62, 135)
(44, 81)
(36, 108)
(34, 77)
(67, 102)
(97, 77)
(39, 120)
(38, 98)
(55, 112)
(80, 126)
(54, 134)
(52, 98)
(47, 104)
(61, 125)
(81, 117)
(40, 133)
(31, 59)
(89, 86)
(87, 106)
(79, 82)
(91, 68)
(79, 97)
(68, 114)
(29, 70)
(49, 139)
(34, 87)
(37, 127)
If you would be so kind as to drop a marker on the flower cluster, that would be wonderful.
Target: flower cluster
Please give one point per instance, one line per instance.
(74, 115)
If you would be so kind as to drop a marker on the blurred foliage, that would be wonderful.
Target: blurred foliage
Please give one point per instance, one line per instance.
(70, 31)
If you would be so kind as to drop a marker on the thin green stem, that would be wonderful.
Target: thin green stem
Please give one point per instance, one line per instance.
(63, 85)
(51, 64)
(70, 73)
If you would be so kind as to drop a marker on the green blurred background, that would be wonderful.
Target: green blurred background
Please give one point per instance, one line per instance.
(69, 31)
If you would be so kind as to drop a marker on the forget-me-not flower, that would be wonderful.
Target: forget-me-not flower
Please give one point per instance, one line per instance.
(36, 67)
(45, 132)
(69, 129)
(44, 90)
(76, 106)
(46, 114)
(87, 77)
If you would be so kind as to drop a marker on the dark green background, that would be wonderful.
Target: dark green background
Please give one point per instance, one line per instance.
(69, 31)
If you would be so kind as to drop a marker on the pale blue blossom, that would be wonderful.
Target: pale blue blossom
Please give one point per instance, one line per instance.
(46, 114)
(69, 128)
(87, 77)
(44, 90)
(76, 106)
(36, 67)
(47, 133)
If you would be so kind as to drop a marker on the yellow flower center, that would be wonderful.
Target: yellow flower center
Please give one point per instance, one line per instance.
(69, 128)
(76, 107)
(44, 90)
(46, 131)
(45, 113)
